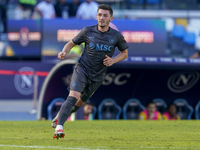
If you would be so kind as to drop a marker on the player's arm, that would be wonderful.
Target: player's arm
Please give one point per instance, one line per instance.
(108, 61)
(160, 116)
(123, 55)
(66, 49)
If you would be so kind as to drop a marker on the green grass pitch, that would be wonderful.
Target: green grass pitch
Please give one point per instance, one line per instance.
(101, 135)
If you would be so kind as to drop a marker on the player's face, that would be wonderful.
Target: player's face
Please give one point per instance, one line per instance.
(172, 109)
(103, 17)
(151, 108)
(88, 109)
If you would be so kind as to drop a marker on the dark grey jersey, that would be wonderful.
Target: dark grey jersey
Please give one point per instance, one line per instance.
(97, 45)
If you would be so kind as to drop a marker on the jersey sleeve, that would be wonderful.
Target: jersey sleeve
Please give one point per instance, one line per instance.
(80, 37)
(178, 117)
(121, 43)
(159, 116)
(142, 116)
(165, 117)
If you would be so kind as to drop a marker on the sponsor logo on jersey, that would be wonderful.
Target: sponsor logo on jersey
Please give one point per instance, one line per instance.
(91, 37)
(101, 47)
(104, 47)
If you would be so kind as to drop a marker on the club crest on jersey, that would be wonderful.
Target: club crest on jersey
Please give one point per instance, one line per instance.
(74, 84)
(111, 40)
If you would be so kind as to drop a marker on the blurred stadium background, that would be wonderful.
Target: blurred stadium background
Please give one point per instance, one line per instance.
(163, 63)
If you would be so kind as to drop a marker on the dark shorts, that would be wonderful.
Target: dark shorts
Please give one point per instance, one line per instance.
(81, 83)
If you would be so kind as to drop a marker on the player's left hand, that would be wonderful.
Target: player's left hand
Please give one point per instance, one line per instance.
(108, 61)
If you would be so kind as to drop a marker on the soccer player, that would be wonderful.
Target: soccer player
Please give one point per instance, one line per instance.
(150, 113)
(171, 113)
(100, 42)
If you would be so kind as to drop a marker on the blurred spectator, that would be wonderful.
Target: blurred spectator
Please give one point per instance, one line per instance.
(113, 26)
(3, 13)
(27, 7)
(88, 109)
(171, 113)
(75, 52)
(45, 9)
(87, 10)
(62, 9)
(195, 55)
(73, 7)
(150, 113)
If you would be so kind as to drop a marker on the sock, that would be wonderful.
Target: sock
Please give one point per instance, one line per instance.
(75, 108)
(54, 119)
(59, 127)
(65, 109)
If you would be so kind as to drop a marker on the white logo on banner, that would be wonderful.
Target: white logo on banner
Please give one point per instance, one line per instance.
(24, 82)
(182, 81)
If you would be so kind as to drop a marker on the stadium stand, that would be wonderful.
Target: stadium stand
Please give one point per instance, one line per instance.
(197, 110)
(176, 41)
(189, 40)
(94, 110)
(79, 115)
(54, 107)
(132, 108)
(182, 21)
(108, 109)
(160, 104)
(184, 110)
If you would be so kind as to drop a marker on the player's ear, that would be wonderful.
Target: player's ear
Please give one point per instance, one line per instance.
(111, 18)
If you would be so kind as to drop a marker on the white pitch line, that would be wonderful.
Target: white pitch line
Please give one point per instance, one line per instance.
(49, 147)
(152, 147)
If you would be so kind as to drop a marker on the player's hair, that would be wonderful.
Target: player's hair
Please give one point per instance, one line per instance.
(105, 7)
(89, 103)
(168, 107)
(150, 104)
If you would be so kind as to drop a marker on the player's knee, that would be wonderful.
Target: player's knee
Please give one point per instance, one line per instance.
(75, 94)
(71, 100)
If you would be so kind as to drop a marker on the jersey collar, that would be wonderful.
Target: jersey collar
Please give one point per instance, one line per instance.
(102, 32)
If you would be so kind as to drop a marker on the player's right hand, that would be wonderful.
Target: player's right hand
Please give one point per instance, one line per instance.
(61, 55)
(151, 116)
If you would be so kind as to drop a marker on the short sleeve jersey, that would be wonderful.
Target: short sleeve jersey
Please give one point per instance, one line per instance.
(97, 45)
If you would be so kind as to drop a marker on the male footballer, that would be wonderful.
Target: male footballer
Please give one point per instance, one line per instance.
(100, 42)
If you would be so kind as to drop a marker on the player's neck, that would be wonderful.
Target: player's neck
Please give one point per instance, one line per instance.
(103, 29)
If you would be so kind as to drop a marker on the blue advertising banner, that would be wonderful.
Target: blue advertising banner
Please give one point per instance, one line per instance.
(24, 38)
(17, 79)
(144, 37)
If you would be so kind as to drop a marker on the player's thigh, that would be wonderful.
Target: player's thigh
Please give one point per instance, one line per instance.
(89, 90)
(78, 81)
